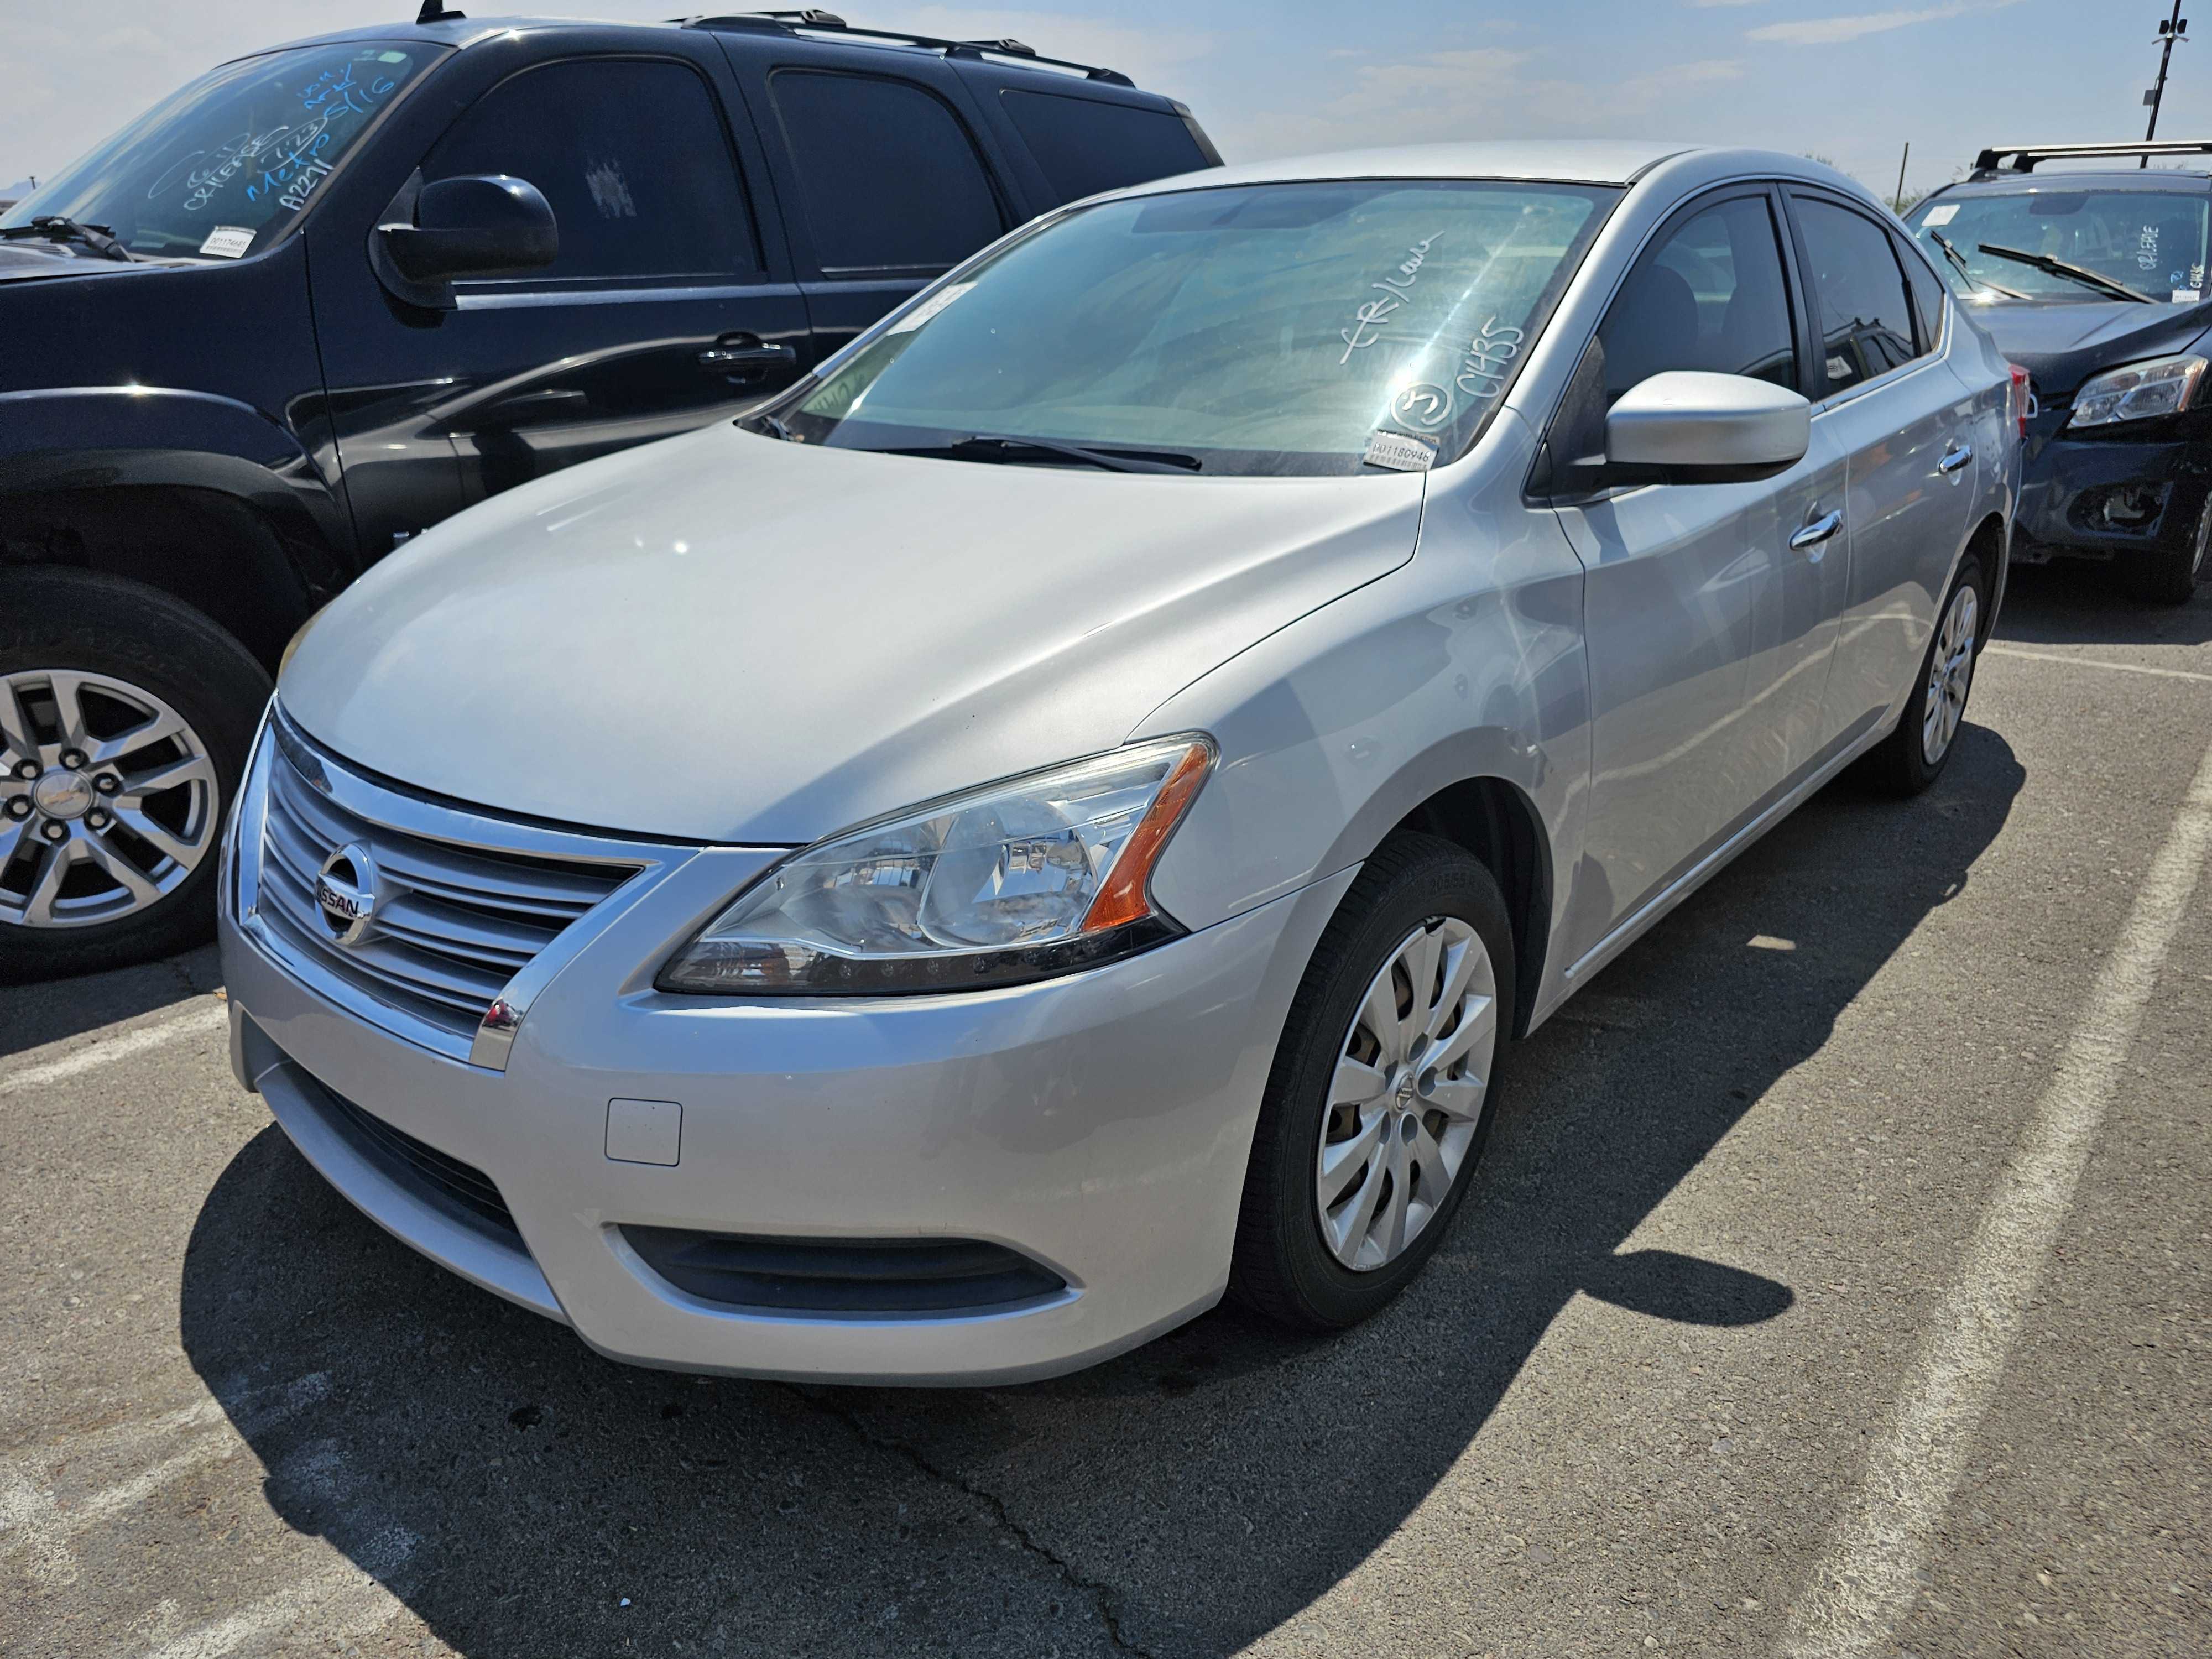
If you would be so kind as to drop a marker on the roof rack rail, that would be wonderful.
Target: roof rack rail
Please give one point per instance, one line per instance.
(2025, 156)
(791, 22)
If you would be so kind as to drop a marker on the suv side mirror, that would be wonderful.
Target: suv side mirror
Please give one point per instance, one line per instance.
(1695, 427)
(493, 225)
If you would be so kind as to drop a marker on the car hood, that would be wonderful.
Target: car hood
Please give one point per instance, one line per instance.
(727, 638)
(2062, 342)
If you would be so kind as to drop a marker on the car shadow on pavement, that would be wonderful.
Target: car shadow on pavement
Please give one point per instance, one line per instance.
(524, 1498)
(2071, 602)
(53, 1010)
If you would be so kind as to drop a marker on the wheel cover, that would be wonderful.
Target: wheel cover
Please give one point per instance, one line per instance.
(1950, 674)
(108, 799)
(1407, 1093)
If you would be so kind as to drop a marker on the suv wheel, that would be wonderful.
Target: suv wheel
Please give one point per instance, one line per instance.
(1382, 1091)
(125, 720)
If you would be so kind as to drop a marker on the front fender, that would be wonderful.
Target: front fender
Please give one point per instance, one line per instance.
(73, 438)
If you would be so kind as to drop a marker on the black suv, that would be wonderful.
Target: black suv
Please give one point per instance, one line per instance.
(328, 294)
(2095, 283)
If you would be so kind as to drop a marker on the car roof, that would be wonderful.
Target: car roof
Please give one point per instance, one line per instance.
(1561, 161)
(2009, 182)
(456, 29)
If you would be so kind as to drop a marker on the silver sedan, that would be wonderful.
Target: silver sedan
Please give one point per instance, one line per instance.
(1062, 814)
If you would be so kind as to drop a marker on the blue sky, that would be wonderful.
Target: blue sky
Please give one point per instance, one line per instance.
(1852, 80)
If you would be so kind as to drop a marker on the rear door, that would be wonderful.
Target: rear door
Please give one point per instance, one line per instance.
(670, 305)
(1884, 396)
(884, 182)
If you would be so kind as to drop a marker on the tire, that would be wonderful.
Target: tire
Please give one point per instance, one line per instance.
(1285, 1266)
(2169, 575)
(165, 704)
(1902, 763)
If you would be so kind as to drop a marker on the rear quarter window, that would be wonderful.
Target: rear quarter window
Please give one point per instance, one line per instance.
(1086, 145)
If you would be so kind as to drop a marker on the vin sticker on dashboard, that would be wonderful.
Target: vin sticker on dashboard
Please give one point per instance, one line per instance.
(1401, 451)
(227, 242)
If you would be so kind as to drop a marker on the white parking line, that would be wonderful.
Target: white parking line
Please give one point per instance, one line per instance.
(208, 1018)
(343, 1601)
(1864, 1583)
(2096, 662)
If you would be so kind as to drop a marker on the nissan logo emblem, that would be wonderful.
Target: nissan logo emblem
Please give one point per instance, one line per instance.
(345, 893)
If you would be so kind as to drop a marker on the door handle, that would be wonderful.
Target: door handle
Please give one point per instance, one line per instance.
(1954, 460)
(736, 359)
(1817, 532)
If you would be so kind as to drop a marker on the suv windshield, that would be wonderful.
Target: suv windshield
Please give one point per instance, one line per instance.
(218, 169)
(2150, 240)
(1292, 328)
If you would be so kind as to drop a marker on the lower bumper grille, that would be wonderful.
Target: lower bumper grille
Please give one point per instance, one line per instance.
(460, 1190)
(941, 1276)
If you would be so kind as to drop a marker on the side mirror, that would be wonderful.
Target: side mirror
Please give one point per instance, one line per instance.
(1708, 427)
(494, 226)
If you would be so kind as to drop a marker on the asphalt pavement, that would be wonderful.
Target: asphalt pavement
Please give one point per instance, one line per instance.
(1835, 1284)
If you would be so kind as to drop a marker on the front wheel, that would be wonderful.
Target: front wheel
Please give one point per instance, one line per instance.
(1382, 1089)
(2169, 575)
(125, 720)
(1911, 757)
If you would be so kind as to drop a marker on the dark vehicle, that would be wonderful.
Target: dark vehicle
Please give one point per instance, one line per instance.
(2095, 283)
(328, 294)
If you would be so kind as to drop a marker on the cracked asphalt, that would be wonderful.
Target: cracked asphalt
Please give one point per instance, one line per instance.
(1729, 1190)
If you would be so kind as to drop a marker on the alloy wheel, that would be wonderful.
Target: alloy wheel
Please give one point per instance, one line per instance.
(108, 798)
(1406, 1097)
(1950, 673)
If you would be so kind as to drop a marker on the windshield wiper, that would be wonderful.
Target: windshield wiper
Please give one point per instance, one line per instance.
(773, 423)
(2081, 274)
(997, 446)
(1952, 253)
(59, 227)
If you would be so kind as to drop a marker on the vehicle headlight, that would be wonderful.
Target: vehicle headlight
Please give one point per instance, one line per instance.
(2162, 386)
(1017, 881)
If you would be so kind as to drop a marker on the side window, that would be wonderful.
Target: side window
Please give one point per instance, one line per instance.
(1866, 322)
(888, 177)
(632, 155)
(1086, 145)
(1710, 296)
(1927, 293)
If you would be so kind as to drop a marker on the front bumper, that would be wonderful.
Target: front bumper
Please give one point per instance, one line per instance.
(1097, 1124)
(2110, 497)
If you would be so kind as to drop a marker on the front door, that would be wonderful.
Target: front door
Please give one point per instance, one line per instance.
(666, 308)
(1703, 632)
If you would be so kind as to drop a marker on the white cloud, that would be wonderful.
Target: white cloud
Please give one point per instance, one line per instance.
(1833, 31)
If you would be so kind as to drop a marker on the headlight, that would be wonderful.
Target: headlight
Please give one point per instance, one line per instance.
(1036, 876)
(2163, 385)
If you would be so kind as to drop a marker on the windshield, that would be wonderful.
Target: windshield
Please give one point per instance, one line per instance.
(217, 170)
(2150, 240)
(1293, 328)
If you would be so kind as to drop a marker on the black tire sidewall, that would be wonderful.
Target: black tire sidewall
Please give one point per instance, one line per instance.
(60, 618)
(1284, 1268)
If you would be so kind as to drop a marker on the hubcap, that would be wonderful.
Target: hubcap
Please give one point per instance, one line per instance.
(108, 799)
(1407, 1093)
(1950, 672)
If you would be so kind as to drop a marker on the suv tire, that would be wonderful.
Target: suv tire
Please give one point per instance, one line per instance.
(2169, 575)
(137, 711)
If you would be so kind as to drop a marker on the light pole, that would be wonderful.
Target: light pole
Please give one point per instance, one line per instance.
(2168, 31)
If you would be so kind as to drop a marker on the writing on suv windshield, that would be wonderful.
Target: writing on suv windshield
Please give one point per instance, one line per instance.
(2049, 242)
(1293, 328)
(216, 170)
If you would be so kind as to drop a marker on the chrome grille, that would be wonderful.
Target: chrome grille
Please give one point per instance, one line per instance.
(454, 920)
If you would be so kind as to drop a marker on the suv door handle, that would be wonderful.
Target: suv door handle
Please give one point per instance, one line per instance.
(1956, 459)
(1817, 532)
(736, 359)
